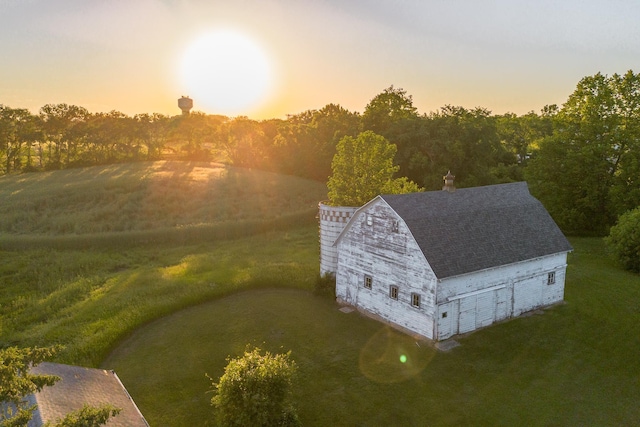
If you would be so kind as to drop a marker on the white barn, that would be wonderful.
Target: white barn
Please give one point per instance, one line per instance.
(442, 263)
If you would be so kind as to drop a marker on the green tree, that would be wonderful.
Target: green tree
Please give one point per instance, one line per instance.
(18, 132)
(16, 382)
(305, 143)
(87, 416)
(255, 390)
(588, 172)
(623, 240)
(463, 141)
(391, 106)
(362, 169)
(245, 143)
(64, 127)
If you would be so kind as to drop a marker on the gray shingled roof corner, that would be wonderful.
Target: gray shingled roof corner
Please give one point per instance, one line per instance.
(477, 228)
(79, 386)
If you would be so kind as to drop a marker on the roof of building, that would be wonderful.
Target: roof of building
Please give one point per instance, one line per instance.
(476, 228)
(79, 386)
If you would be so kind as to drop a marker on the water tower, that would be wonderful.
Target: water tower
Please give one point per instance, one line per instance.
(186, 104)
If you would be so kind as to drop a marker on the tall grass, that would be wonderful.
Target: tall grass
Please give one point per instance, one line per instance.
(88, 300)
(149, 196)
(87, 255)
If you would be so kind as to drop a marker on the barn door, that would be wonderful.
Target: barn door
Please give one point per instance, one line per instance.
(446, 321)
(467, 316)
(485, 309)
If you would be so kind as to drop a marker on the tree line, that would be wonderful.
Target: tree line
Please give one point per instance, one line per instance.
(581, 159)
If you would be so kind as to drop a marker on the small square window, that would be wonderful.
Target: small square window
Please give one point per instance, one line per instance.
(415, 300)
(444, 315)
(368, 282)
(551, 278)
(393, 292)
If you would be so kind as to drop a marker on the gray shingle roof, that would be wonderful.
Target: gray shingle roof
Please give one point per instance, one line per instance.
(477, 228)
(79, 386)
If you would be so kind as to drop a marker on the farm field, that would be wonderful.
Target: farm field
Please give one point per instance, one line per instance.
(164, 311)
(149, 202)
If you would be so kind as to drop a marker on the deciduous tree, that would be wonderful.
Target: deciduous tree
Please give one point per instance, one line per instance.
(362, 169)
(388, 107)
(16, 382)
(588, 172)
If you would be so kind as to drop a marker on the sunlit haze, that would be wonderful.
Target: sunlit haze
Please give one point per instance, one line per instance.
(269, 58)
(226, 71)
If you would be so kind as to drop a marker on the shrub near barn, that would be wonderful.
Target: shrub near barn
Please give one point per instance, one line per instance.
(624, 240)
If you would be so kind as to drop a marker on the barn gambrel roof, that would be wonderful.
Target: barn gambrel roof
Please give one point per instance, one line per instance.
(477, 228)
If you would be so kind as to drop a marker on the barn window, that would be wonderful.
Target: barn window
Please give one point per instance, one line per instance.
(551, 278)
(368, 282)
(444, 315)
(415, 300)
(369, 220)
(394, 226)
(393, 292)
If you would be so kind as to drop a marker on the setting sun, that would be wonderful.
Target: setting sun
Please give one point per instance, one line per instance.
(226, 72)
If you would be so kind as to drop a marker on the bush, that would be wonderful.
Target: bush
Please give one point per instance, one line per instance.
(325, 285)
(624, 240)
(255, 390)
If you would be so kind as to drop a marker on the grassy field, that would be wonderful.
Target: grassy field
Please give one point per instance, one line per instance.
(157, 196)
(162, 315)
(90, 294)
(575, 364)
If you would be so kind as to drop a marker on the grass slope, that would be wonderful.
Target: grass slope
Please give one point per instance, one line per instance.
(88, 300)
(100, 287)
(147, 196)
(576, 364)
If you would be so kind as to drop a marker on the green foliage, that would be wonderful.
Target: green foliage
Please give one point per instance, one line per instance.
(255, 390)
(623, 240)
(391, 106)
(325, 285)
(305, 144)
(16, 382)
(588, 172)
(87, 416)
(362, 169)
(400, 185)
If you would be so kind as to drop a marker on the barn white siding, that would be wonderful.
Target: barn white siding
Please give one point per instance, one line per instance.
(378, 245)
(476, 300)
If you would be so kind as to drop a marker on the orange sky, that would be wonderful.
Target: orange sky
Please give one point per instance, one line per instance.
(126, 55)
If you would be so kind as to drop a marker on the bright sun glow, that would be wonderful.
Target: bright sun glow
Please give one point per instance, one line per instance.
(225, 72)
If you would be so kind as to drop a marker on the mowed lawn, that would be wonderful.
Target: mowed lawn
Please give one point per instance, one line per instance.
(574, 364)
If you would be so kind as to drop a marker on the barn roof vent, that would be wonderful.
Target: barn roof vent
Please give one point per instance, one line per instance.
(448, 182)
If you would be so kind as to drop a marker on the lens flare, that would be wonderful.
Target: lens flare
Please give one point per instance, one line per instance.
(391, 357)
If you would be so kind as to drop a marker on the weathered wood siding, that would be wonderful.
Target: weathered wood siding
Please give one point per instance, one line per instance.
(476, 300)
(377, 244)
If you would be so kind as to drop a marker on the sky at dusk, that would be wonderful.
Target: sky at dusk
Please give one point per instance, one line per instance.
(140, 56)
